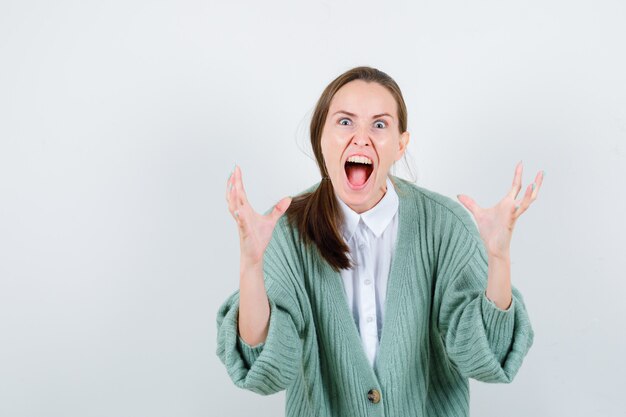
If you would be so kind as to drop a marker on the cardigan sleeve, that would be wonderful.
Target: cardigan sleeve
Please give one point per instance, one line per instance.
(483, 341)
(270, 366)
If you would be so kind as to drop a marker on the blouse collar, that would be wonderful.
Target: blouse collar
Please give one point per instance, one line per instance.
(377, 218)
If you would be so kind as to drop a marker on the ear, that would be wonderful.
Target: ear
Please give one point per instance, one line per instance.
(404, 142)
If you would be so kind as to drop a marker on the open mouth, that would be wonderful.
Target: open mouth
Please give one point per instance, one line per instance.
(358, 173)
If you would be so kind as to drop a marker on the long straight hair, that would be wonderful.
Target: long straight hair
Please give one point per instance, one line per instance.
(317, 215)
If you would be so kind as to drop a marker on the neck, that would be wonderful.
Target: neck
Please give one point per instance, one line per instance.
(362, 209)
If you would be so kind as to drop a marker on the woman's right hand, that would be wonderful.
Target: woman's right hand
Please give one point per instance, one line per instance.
(255, 230)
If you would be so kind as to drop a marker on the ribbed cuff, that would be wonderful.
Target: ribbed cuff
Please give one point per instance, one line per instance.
(249, 353)
(282, 340)
(499, 325)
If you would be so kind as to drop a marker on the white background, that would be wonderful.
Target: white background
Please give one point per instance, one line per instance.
(120, 122)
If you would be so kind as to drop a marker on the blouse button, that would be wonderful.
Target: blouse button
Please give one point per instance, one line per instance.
(374, 396)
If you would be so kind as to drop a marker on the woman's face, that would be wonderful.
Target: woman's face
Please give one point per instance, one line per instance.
(362, 120)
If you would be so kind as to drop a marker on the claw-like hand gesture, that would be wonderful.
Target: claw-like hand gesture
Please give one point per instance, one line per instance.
(496, 223)
(255, 230)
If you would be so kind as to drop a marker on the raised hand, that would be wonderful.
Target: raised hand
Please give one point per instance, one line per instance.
(255, 230)
(496, 223)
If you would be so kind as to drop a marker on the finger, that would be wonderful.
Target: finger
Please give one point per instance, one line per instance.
(241, 217)
(523, 205)
(531, 193)
(517, 181)
(231, 198)
(236, 209)
(280, 208)
(228, 183)
(538, 182)
(239, 190)
(231, 194)
(241, 213)
(469, 203)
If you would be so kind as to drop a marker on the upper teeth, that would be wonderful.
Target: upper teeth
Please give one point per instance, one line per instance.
(360, 159)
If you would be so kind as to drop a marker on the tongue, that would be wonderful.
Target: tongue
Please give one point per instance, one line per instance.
(357, 174)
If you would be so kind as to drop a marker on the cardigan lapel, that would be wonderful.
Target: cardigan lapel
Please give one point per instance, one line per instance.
(407, 245)
(405, 240)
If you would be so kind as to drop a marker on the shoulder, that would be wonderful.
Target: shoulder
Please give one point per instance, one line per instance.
(437, 208)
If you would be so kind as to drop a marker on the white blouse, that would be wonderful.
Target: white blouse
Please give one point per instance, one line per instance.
(371, 237)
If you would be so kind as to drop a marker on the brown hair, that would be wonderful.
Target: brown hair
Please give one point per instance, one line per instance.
(317, 215)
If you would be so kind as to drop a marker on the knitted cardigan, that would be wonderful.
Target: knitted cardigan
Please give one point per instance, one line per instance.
(439, 328)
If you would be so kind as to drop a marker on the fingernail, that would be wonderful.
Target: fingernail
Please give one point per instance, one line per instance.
(533, 186)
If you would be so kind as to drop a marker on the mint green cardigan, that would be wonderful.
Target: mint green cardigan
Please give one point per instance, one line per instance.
(439, 327)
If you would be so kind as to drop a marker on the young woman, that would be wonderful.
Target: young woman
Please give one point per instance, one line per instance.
(372, 295)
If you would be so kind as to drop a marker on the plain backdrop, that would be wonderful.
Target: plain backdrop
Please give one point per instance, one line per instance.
(120, 122)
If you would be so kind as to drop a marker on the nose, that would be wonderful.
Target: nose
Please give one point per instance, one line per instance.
(361, 138)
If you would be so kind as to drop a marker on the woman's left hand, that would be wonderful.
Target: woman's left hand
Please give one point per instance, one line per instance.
(496, 223)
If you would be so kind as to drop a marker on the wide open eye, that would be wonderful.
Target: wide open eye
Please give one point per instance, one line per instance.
(380, 122)
(342, 119)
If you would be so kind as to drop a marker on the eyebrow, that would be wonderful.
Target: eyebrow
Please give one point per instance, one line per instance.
(354, 115)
